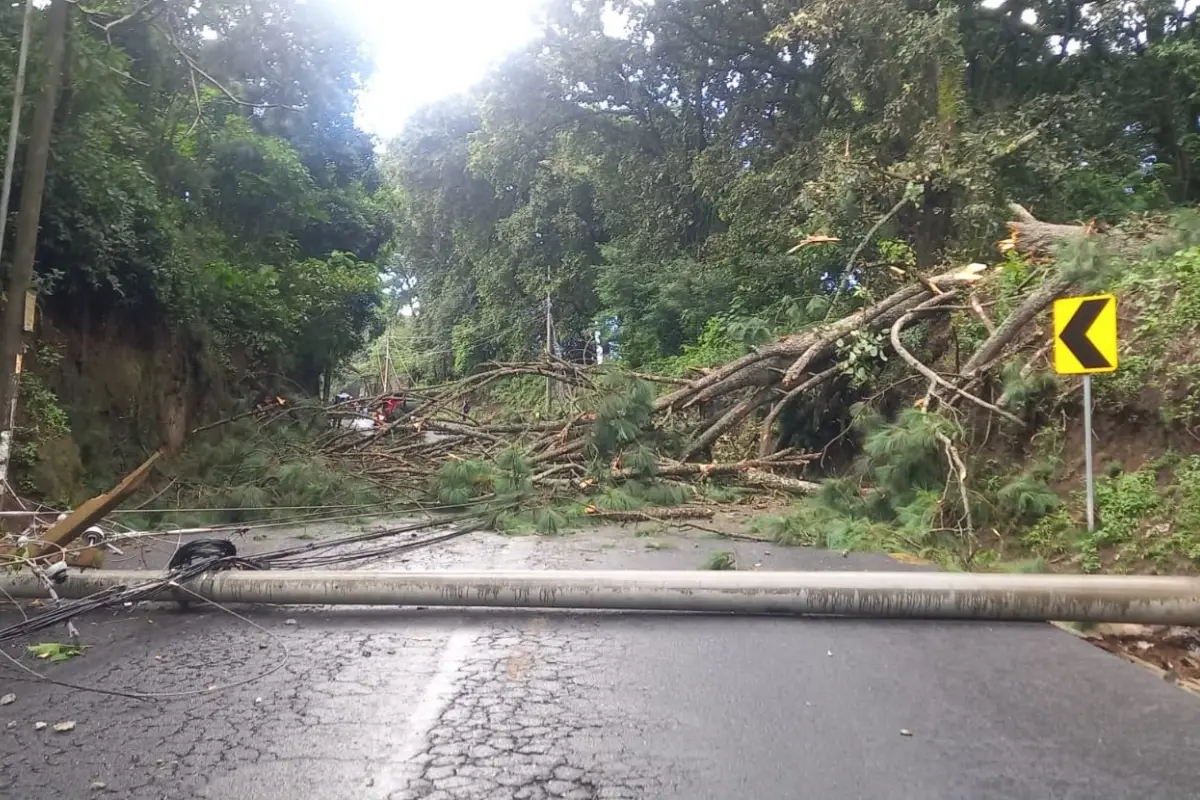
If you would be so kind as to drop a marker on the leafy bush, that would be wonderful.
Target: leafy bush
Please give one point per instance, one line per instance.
(1124, 503)
(901, 496)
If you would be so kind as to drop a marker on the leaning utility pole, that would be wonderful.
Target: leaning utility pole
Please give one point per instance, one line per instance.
(33, 187)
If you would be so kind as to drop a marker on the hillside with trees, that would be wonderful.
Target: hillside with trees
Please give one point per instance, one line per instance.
(211, 228)
(755, 198)
(816, 242)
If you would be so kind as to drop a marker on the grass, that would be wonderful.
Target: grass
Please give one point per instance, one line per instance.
(1148, 520)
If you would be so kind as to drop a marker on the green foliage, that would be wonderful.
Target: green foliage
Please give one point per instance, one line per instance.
(255, 475)
(547, 520)
(906, 455)
(623, 407)
(458, 482)
(1148, 519)
(668, 214)
(1026, 499)
(860, 355)
(41, 420)
(719, 493)
(513, 473)
(814, 524)
(518, 394)
(1029, 566)
(619, 498)
(713, 346)
(1024, 391)
(174, 211)
(1162, 295)
(903, 496)
(1186, 498)
(502, 489)
(55, 652)
(1124, 503)
(721, 560)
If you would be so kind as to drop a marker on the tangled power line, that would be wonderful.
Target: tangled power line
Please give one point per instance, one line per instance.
(205, 556)
(200, 556)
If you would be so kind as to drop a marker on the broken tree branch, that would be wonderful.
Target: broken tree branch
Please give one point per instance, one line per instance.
(765, 444)
(929, 373)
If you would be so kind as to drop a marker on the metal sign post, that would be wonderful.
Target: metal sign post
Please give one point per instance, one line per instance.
(1085, 343)
(1087, 453)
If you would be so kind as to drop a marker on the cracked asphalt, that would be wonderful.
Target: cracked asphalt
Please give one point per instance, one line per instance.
(439, 704)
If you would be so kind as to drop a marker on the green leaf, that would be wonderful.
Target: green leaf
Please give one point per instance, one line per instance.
(55, 651)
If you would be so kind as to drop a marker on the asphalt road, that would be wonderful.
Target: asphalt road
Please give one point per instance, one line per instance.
(395, 703)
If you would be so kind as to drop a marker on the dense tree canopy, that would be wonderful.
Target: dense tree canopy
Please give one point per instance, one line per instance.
(207, 182)
(653, 180)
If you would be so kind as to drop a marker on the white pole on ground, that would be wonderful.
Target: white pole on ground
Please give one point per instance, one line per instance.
(901, 594)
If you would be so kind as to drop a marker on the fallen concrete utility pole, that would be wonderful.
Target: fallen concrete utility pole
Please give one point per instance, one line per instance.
(917, 595)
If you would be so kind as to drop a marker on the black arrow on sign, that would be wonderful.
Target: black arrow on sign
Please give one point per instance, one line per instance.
(1075, 335)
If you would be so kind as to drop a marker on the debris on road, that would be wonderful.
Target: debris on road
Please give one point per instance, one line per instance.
(8, 699)
(385, 543)
(1171, 651)
(64, 727)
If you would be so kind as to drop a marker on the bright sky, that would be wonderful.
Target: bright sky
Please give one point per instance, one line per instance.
(426, 50)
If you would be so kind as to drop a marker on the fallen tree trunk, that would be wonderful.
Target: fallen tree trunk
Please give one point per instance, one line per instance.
(778, 483)
(1014, 323)
(680, 470)
(731, 418)
(881, 315)
(658, 514)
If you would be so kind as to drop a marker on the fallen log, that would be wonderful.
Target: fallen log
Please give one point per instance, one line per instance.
(658, 514)
(769, 480)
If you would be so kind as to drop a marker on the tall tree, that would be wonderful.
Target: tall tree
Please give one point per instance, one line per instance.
(20, 274)
(665, 173)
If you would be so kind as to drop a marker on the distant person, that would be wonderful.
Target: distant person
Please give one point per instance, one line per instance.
(340, 399)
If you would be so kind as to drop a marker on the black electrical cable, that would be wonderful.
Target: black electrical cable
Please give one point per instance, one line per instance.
(206, 549)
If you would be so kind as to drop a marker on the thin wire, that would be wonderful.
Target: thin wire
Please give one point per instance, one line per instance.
(250, 508)
(304, 520)
(150, 696)
(14, 602)
(311, 519)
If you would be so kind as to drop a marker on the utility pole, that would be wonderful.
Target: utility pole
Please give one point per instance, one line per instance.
(549, 340)
(33, 187)
(386, 368)
(14, 125)
(1145, 599)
